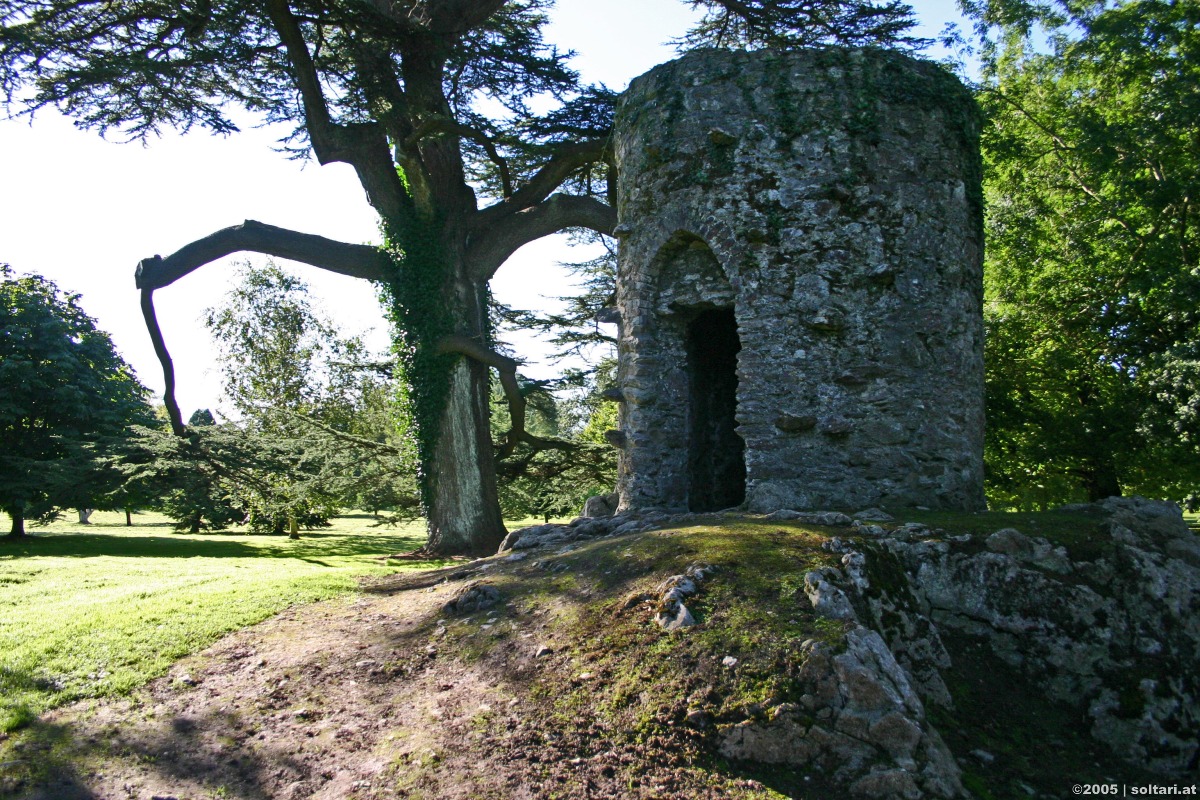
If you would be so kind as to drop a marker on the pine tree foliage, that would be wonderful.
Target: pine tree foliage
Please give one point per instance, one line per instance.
(314, 402)
(577, 332)
(785, 24)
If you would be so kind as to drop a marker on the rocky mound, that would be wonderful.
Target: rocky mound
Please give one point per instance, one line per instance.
(798, 655)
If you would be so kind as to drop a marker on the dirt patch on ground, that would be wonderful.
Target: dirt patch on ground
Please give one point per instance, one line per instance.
(387, 694)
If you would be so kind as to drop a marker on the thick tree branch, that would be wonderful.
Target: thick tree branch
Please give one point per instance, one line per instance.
(490, 249)
(318, 123)
(355, 260)
(507, 370)
(439, 124)
(164, 358)
(437, 16)
(362, 145)
(546, 180)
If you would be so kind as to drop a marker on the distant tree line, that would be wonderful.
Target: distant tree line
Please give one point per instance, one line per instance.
(315, 423)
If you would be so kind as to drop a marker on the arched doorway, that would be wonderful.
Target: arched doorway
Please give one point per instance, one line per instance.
(716, 453)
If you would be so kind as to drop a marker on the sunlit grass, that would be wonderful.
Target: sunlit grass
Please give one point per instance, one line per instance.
(95, 610)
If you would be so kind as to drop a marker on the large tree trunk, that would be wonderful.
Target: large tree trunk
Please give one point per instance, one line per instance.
(18, 522)
(464, 506)
(1100, 480)
(464, 510)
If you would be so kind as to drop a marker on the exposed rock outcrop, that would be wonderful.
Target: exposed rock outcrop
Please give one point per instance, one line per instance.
(601, 505)
(1113, 630)
(1116, 631)
(860, 720)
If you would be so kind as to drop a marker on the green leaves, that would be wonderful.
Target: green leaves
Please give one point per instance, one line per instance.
(1093, 279)
(317, 428)
(67, 401)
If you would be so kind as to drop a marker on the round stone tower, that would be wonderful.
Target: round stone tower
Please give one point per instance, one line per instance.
(800, 284)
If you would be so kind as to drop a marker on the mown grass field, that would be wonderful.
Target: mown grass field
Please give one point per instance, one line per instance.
(95, 610)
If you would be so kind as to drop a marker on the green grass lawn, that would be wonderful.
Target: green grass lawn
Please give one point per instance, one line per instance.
(95, 610)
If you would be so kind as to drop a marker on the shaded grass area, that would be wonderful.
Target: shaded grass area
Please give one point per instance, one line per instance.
(95, 610)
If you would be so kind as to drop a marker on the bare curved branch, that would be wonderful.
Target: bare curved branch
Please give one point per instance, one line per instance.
(355, 260)
(488, 251)
(164, 358)
(507, 369)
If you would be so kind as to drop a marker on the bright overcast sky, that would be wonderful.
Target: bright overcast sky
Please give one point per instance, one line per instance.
(83, 211)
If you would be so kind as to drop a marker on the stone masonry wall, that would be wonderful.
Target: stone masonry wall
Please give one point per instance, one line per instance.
(831, 199)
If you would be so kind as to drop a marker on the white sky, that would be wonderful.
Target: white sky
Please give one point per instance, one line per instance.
(83, 211)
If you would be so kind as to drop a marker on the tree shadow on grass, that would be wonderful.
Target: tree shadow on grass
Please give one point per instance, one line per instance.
(167, 757)
(400, 656)
(311, 546)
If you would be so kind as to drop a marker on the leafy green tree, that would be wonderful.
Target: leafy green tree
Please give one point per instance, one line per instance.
(1092, 271)
(278, 352)
(68, 400)
(555, 478)
(384, 475)
(397, 90)
(185, 485)
(294, 379)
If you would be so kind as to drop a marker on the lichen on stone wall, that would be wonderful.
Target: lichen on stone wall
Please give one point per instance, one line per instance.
(837, 191)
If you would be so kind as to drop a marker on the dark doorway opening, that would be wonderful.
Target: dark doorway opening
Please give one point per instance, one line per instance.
(716, 453)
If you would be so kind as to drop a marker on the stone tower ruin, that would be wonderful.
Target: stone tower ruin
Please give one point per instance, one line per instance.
(799, 284)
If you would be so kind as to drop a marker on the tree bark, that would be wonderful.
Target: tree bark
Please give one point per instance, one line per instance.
(464, 506)
(18, 522)
(1100, 481)
(128, 518)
